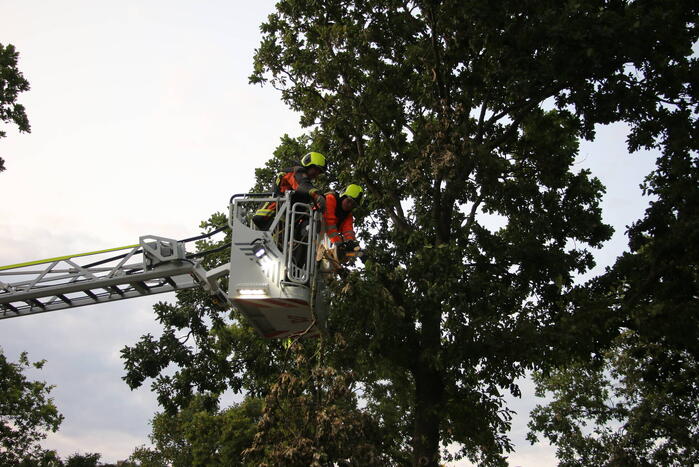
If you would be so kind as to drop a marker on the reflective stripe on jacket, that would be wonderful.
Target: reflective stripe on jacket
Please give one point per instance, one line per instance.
(338, 222)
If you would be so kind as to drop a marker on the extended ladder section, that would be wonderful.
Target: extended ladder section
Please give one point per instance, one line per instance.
(155, 265)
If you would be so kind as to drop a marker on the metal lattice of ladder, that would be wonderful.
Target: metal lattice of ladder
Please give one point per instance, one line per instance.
(156, 265)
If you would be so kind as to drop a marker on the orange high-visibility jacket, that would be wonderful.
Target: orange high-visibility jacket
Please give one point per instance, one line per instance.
(339, 224)
(292, 178)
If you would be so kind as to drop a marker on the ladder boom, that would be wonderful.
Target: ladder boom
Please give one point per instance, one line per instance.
(156, 265)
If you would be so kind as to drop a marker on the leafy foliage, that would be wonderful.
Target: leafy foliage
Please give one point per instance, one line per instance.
(197, 436)
(26, 412)
(656, 283)
(311, 418)
(51, 459)
(641, 395)
(90, 459)
(613, 413)
(12, 82)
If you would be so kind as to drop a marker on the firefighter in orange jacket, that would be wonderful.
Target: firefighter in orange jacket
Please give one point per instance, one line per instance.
(299, 179)
(338, 217)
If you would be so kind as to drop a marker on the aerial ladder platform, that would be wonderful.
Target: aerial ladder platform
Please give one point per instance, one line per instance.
(275, 277)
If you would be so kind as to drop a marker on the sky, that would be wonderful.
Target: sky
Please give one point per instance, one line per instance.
(143, 122)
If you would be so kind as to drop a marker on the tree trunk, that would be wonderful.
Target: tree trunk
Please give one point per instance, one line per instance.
(429, 393)
(428, 398)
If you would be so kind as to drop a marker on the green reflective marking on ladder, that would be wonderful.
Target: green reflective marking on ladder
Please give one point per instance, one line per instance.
(62, 258)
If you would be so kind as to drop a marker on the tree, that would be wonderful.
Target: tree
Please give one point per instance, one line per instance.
(83, 460)
(616, 412)
(26, 412)
(197, 436)
(437, 108)
(447, 112)
(45, 458)
(656, 283)
(641, 395)
(12, 82)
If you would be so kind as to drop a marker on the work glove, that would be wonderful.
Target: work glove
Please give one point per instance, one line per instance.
(349, 245)
(319, 201)
(349, 251)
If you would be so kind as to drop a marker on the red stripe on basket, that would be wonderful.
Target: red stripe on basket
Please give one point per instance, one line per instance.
(275, 334)
(260, 303)
(284, 303)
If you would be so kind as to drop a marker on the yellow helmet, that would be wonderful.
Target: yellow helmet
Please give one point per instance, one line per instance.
(353, 191)
(314, 159)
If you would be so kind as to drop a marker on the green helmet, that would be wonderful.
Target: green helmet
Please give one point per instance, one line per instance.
(353, 191)
(314, 159)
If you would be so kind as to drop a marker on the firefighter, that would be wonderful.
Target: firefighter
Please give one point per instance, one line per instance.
(298, 178)
(338, 217)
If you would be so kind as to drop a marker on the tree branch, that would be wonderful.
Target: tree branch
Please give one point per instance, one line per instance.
(472, 215)
(437, 70)
(512, 129)
(481, 127)
(395, 211)
(437, 209)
